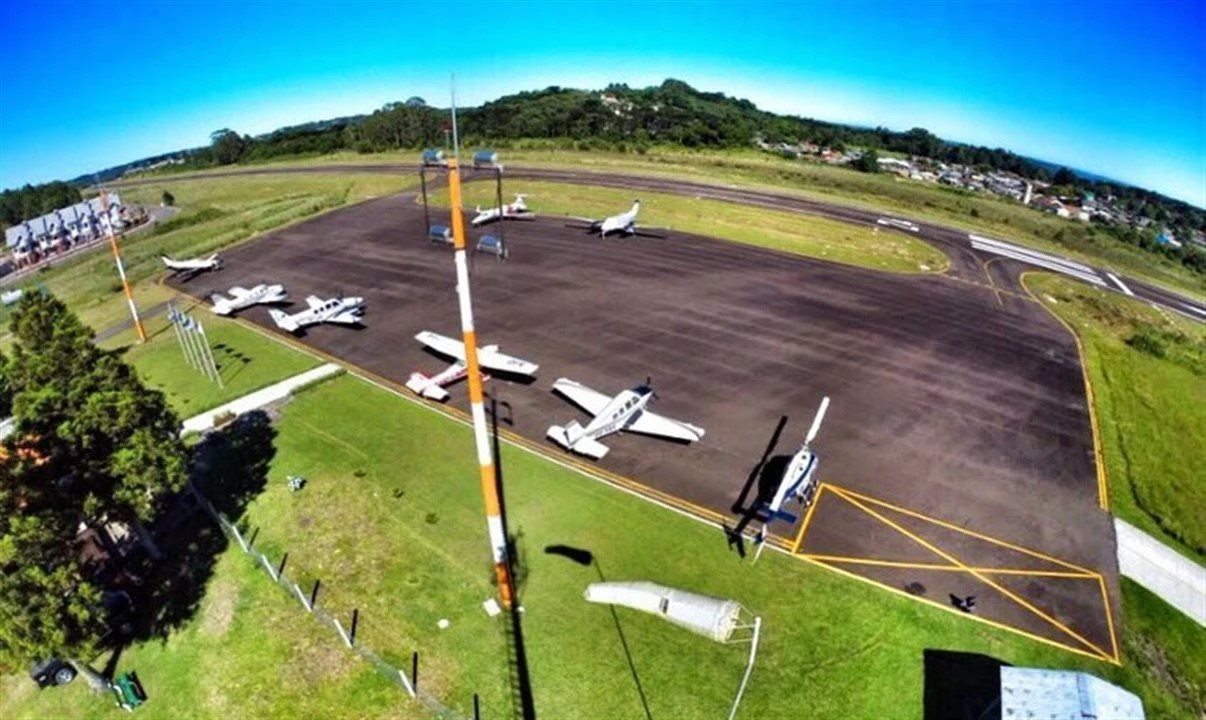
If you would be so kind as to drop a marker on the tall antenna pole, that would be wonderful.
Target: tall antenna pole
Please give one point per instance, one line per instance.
(481, 435)
(121, 270)
(456, 143)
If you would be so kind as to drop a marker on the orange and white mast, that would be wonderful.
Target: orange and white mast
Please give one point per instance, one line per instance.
(121, 270)
(481, 435)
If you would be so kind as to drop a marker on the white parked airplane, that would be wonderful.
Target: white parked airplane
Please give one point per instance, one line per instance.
(343, 310)
(623, 223)
(625, 411)
(517, 210)
(488, 357)
(798, 479)
(243, 298)
(192, 267)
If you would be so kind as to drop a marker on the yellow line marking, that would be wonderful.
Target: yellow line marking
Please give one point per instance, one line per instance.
(639, 488)
(951, 568)
(1103, 485)
(956, 528)
(996, 292)
(954, 611)
(1109, 619)
(965, 281)
(808, 518)
(979, 576)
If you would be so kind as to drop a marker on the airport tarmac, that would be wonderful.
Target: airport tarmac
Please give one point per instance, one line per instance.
(946, 400)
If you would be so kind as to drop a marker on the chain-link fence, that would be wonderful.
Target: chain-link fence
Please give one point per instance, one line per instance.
(345, 630)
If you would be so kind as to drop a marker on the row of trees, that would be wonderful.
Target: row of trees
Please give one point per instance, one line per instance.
(92, 445)
(34, 200)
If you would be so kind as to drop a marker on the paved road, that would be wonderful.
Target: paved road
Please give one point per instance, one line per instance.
(945, 401)
(967, 263)
(1172, 576)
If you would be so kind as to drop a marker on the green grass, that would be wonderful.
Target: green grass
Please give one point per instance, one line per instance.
(1151, 410)
(214, 214)
(391, 522)
(778, 230)
(246, 362)
(249, 653)
(935, 203)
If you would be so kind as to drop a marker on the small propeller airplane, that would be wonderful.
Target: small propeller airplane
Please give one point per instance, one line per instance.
(488, 357)
(798, 480)
(625, 411)
(189, 268)
(517, 210)
(342, 310)
(243, 298)
(623, 223)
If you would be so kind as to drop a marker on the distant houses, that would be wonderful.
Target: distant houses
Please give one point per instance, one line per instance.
(83, 222)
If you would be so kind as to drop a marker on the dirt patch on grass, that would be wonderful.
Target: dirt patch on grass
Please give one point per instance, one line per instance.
(221, 599)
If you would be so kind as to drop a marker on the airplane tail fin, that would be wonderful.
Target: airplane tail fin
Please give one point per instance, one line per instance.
(420, 384)
(573, 437)
(283, 321)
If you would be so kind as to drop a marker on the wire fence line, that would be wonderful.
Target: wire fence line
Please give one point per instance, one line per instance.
(346, 630)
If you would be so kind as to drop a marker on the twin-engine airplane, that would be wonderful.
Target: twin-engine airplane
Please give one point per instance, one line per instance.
(798, 480)
(625, 411)
(243, 298)
(190, 268)
(517, 210)
(342, 310)
(623, 223)
(488, 357)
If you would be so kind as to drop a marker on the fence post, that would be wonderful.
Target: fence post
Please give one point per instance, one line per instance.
(305, 603)
(406, 683)
(280, 569)
(339, 628)
(314, 594)
(268, 566)
(477, 708)
(355, 622)
(238, 536)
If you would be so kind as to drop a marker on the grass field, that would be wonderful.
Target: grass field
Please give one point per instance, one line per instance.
(245, 362)
(784, 231)
(1148, 370)
(214, 213)
(959, 208)
(391, 522)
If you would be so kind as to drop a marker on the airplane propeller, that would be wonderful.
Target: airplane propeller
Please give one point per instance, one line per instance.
(816, 421)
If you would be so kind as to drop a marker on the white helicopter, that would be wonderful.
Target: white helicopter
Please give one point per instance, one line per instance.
(190, 268)
(342, 310)
(488, 357)
(625, 411)
(623, 223)
(799, 480)
(243, 298)
(517, 210)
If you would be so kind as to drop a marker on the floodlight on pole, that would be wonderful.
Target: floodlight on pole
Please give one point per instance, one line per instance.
(121, 270)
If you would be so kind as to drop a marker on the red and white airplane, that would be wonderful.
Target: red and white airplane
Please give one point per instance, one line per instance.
(488, 357)
(517, 210)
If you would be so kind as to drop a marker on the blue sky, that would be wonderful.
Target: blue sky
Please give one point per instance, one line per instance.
(1116, 89)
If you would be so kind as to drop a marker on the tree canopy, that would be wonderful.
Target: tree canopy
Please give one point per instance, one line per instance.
(31, 201)
(92, 445)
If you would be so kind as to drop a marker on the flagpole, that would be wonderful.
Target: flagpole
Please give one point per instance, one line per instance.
(209, 352)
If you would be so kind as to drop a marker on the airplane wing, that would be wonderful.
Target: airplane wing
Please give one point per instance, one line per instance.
(347, 317)
(582, 396)
(314, 302)
(648, 423)
(443, 345)
(499, 362)
(239, 292)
